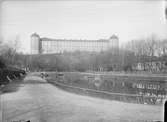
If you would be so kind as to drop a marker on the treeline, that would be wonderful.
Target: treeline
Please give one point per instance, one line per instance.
(76, 61)
(10, 62)
(143, 51)
(150, 46)
(150, 52)
(86, 61)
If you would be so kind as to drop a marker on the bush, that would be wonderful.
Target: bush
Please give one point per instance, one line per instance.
(2, 64)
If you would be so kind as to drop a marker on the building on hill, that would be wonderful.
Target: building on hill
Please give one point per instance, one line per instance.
(48, 45)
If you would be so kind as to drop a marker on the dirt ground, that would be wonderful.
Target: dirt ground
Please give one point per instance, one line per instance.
(38, 101)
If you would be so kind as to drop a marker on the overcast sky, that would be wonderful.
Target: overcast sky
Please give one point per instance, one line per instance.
(82, 20)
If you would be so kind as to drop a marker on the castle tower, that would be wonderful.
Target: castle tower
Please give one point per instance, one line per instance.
(114, 42)
(35, 44)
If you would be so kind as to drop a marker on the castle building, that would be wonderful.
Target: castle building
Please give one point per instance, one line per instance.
(48, 45)
(35, 44)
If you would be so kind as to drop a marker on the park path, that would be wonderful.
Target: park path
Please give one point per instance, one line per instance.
(38, 101)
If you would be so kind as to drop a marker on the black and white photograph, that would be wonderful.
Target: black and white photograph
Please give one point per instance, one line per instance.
(83, 60)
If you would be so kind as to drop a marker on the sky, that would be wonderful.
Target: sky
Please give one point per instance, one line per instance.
(81, 20)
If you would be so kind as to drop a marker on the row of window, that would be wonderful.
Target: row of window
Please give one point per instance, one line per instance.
(53, 49)
(74, 43)
(138, 85)
(52, 46)
(146, 86)
(74, 46)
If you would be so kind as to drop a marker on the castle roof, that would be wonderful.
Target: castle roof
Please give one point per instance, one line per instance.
(113, 37)
(35, 34)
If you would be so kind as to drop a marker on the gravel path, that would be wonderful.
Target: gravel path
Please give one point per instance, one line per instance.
(38, 101)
